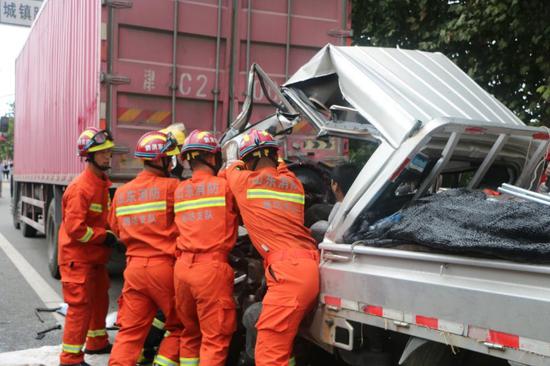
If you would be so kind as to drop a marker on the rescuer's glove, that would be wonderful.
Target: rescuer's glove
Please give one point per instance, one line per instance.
(110, 240)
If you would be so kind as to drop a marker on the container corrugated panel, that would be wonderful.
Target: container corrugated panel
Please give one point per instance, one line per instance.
(144, 54)
(134, 44)
(280, 35)
(57, 90)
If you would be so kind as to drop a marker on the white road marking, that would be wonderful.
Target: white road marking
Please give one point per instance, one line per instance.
(47, 294)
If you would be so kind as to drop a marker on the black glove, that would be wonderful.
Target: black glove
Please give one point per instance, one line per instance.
(110, 240)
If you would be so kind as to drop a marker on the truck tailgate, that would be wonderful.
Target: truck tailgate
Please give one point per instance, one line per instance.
(424, 289)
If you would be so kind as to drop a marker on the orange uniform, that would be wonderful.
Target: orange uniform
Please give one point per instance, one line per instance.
(82, 258)
(207, 221)
(142, 215)
(271, 203)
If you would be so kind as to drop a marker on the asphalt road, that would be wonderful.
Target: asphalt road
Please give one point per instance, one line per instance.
(18, 299)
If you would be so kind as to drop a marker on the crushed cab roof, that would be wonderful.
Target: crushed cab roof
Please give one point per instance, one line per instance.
(395, 88)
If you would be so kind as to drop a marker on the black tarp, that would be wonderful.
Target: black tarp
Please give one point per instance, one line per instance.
(462, 221)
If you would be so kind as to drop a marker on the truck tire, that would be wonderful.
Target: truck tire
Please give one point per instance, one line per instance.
(15, 210)
(431, 354)
(52, 230)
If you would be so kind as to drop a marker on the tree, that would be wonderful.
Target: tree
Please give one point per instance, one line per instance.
(503, 44)
(6, 147)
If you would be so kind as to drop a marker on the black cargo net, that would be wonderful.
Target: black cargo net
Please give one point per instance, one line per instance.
(466, 222)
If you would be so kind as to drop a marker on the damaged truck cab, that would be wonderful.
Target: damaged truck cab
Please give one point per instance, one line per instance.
(416, 125)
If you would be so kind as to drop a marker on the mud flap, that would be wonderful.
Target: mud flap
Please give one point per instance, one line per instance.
(412, 345)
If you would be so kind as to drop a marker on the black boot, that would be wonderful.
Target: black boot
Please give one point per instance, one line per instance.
(75, 364)
(101, 351)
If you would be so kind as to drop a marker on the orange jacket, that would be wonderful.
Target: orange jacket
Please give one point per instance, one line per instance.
(84, 211)
(206, 214)
(271, 203)
(142, 215)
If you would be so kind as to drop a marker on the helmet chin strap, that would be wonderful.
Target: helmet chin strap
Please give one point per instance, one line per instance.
(211, 166)
(214, 167)
(91, 159)
(255, 163)
(256, 160)
(164, 169)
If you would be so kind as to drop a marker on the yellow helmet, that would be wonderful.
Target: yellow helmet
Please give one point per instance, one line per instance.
(92, 140)
(178, 132)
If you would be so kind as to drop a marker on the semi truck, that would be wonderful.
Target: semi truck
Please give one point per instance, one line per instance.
(138, 65)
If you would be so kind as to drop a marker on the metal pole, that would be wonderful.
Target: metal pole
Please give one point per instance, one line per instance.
(287, 51)
(233, 66)
(216, 90)
(174, 59)
(528, 170)
(513, 188)
(110, 55)
(344, 19)
(524, 196)
(248, 25)
(438, 167)
(489, 160)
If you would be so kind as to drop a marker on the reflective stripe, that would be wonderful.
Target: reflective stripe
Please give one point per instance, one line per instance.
(218, 201)
(292, 362)
(141, 208)
(164, 361)
(97, 333)
(158, 324)
(276, 195)
(141, 357)
(96, 207)
(86, 237)
(72, 348)
(193, 361)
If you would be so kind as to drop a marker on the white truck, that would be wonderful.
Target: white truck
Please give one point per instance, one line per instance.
(418, 125)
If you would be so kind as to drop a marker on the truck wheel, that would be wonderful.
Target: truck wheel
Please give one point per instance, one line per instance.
(431, 354)
(15, 210)
(52, 231)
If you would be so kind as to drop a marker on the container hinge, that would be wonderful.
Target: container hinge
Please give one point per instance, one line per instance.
(340, 33)
(114, 79)
(117, 4)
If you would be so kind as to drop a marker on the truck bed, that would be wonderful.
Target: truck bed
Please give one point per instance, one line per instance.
(493, 304)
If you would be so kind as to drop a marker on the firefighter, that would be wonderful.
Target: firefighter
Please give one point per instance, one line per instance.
(206, 217)
(271, 202)
(142, 214)
(178, 132)
(84, 249)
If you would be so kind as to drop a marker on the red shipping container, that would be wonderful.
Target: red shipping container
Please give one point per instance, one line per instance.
(140, 65)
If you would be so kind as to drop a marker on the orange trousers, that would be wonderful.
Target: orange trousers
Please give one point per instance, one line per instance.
(148, 286)
(86, 291)
(292, 289)
(205, 306)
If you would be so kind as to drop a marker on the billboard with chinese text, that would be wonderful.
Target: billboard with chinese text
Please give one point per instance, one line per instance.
(19, 12)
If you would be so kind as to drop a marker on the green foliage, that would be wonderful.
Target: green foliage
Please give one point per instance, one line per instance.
(503, 44)
(6, 147)
(361, 151)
